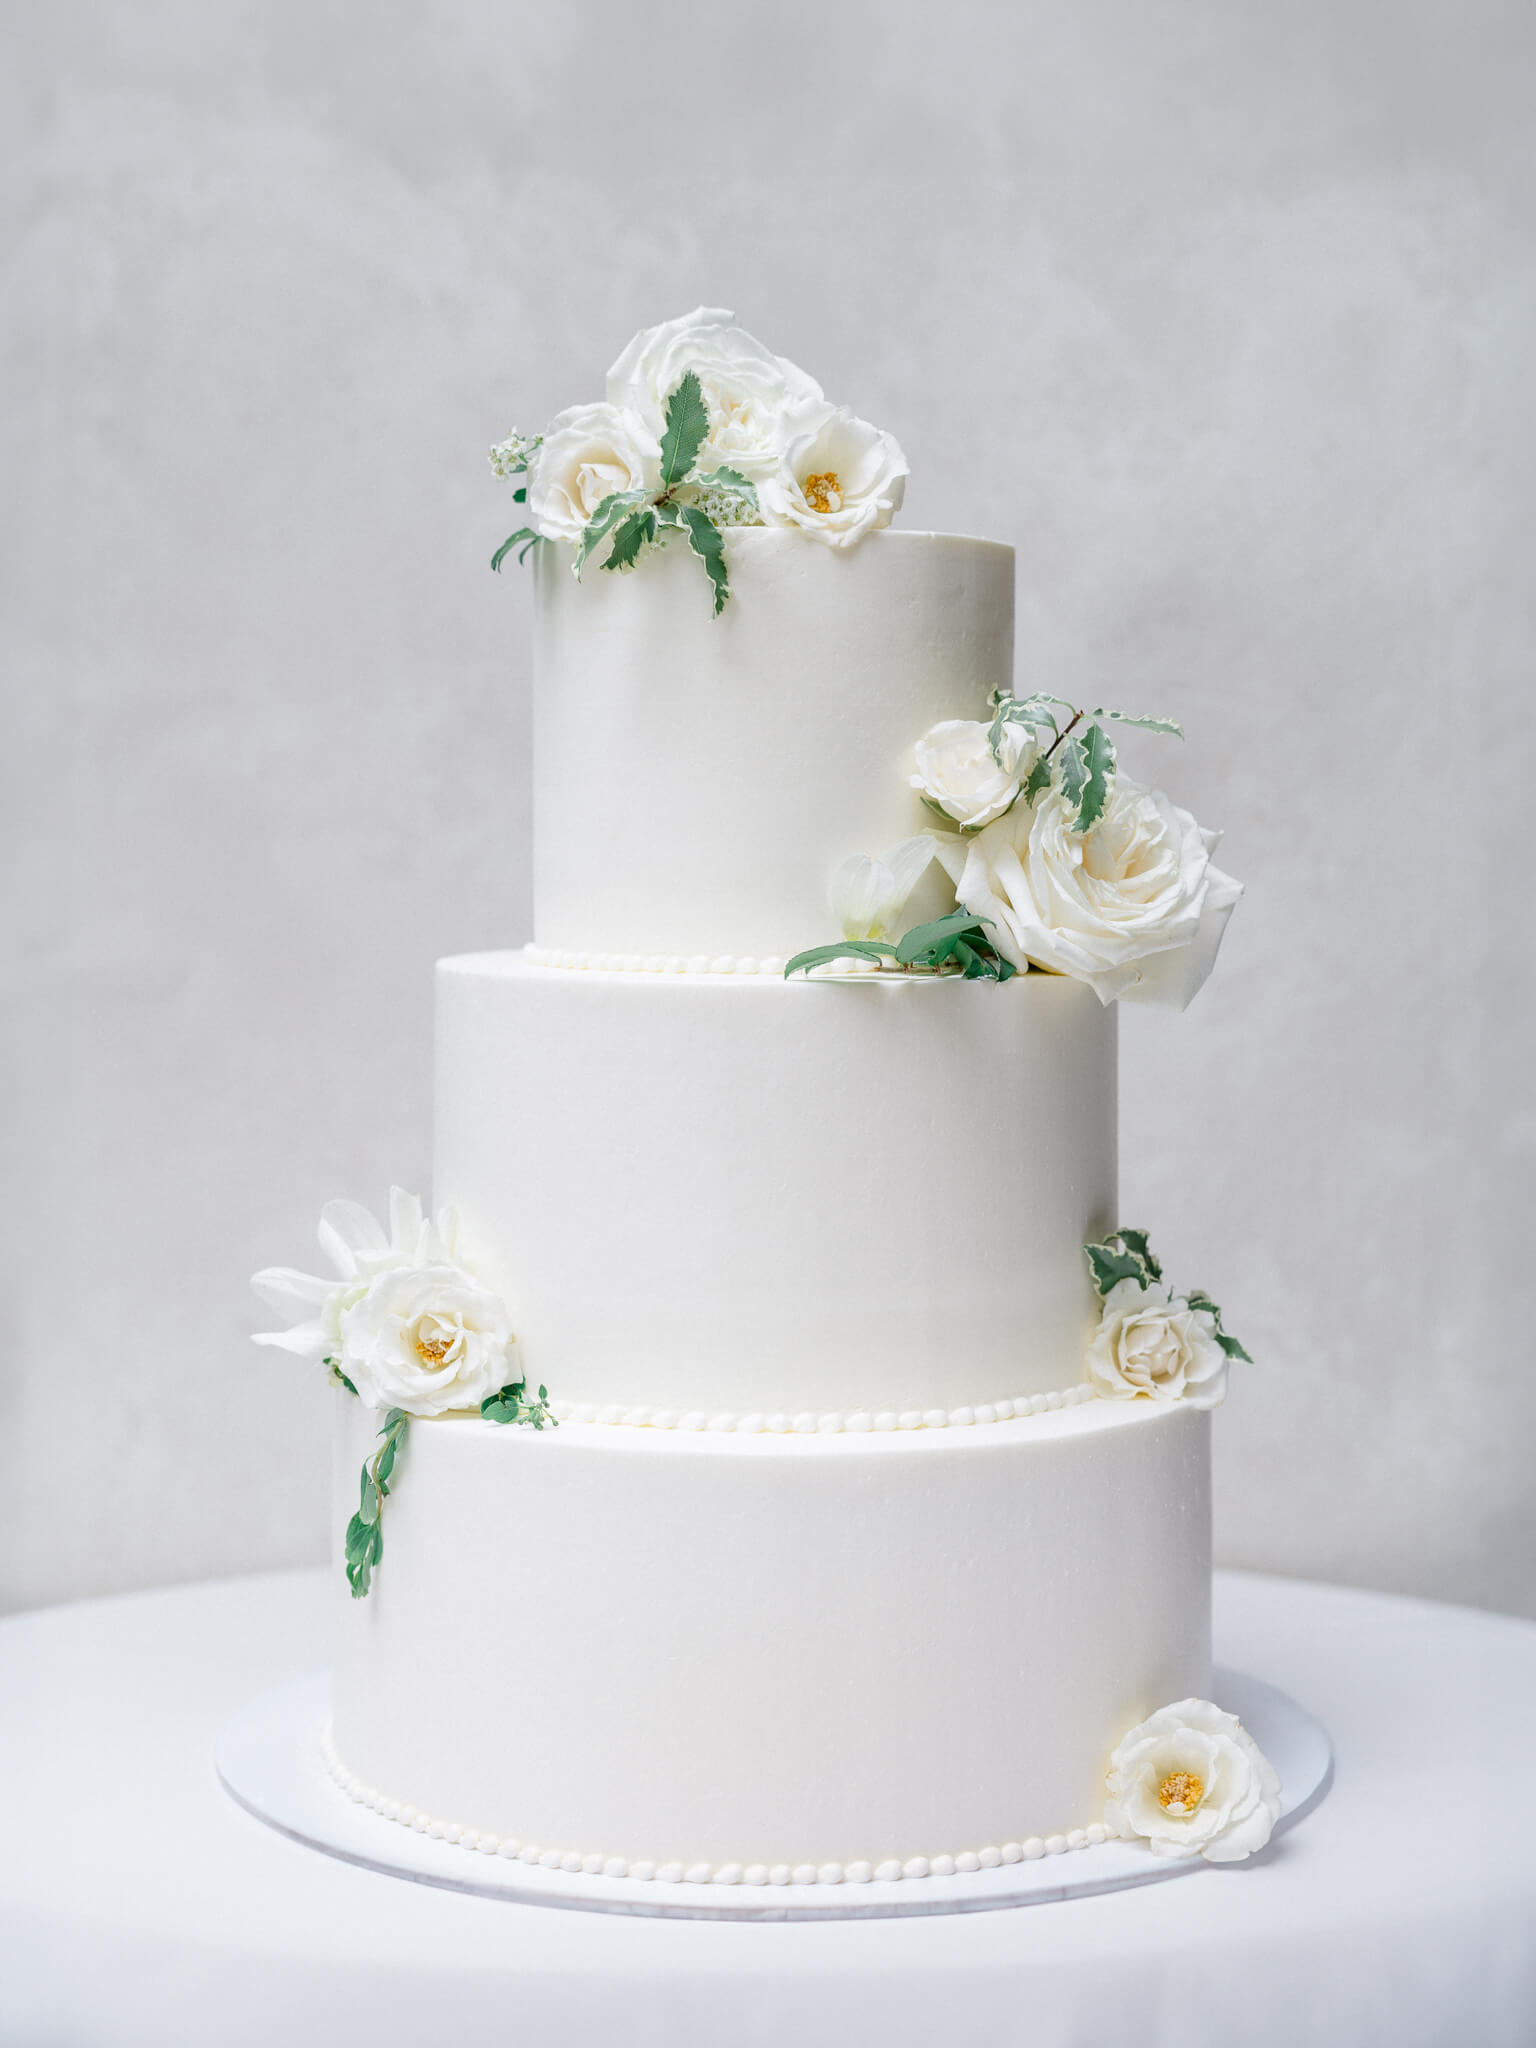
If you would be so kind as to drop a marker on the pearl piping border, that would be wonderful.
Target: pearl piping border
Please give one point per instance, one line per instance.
(643, 1871)
(616, 1414)
(651, 963)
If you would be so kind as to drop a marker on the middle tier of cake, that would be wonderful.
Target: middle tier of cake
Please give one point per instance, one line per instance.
(731, 1201)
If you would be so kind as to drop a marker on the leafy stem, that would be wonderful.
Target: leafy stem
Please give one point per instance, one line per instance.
(956, 944)
(364, 1541)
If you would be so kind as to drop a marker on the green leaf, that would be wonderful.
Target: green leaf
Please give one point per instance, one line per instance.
(1038, 779)
(1200, 1300)
(520, 495)
(845, 949)
(1168, 725)
(1110, 1263)
(1098, 752)
(924, 938)
(527, 537)
(510, 1405)
(633, 534)
(708, 543)
(1033, 711)
(607, 516)
(1136, 1241)
(726, 479)
(338, 1377)
(687, 425)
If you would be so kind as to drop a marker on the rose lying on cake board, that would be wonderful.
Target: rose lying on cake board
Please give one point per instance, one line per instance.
(1058, 864)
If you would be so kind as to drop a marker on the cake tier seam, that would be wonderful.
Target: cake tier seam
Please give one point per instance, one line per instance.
(615, 1414)
(594, 1863)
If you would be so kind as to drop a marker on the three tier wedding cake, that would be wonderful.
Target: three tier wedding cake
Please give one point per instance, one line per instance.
(776, 1462)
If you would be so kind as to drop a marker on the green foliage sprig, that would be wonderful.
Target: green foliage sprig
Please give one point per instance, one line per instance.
(1078, 757)
(338, 1377)
(510, 458)
(956, 944)
(691, 503)
(1126, 1255)
(365, 1531)
(511, 1404)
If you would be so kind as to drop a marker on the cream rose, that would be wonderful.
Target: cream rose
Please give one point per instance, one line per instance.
(1191, 1781)
(1134, 906)
(839, 478)
(958, 772)
(1154, 1344)
(427, 1339)
(747, 390)
(355, 1243)
(589, 452)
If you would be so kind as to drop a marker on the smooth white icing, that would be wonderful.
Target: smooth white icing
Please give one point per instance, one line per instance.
(645, 1870)
(713, 1649)
(698, 779)
(731, 1195)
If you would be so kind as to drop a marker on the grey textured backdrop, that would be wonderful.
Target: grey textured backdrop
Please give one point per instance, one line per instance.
(1223, 315)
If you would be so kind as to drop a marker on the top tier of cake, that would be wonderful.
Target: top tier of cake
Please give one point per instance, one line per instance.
(697, 780)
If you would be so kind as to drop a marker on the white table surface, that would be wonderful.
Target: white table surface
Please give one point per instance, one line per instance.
(138, 1904)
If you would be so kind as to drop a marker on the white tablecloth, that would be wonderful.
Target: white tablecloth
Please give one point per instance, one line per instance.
(139, 1905)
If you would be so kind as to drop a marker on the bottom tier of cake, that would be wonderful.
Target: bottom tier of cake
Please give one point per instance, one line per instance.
(708, 1655)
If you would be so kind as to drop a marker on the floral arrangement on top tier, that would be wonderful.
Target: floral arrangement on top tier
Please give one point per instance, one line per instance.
(1059, 862)
(407, 1330)
(702, 429)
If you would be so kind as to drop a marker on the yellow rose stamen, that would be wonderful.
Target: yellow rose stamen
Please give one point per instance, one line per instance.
(823, 493)
(434, 1349)
(1180, 1792)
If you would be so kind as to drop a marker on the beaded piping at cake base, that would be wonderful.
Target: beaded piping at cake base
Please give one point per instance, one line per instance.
(616, 1414)
(652, 963)
(642, 1870)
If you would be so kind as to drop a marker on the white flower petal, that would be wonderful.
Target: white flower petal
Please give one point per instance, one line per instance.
(290, 1293)
(348, 1231)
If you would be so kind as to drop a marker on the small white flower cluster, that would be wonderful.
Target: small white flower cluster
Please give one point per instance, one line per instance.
(1191, 1781)
(405, 1323)
(511, 457)
(814, 466)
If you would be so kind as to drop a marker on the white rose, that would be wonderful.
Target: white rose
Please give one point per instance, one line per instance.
(839, 479)
(427, 1339)
(355, 1243)
(1191, 1781)
(957, 770)
(1152, 1343)
(588, 453)
(1133, 907)
(747, 389)
(868, 894)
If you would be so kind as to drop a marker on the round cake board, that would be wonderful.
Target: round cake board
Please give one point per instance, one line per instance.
(269, 1760)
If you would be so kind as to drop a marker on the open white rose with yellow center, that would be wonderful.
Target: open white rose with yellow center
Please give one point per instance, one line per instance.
(748, 391)
(839, 478)
(588, 453)
(1152, 1344)
(427, 1339)
(958, 773)
(1134, 906)
(1191, 1781)
(354, 1241)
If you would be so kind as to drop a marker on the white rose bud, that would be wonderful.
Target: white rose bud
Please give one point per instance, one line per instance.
(839, 479)
(868, 894)
(1134, 907)
(748, 391)
(1191, 1781)
(957, 770)
(589, 452)
(1153, 1344)
(427, 1339)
